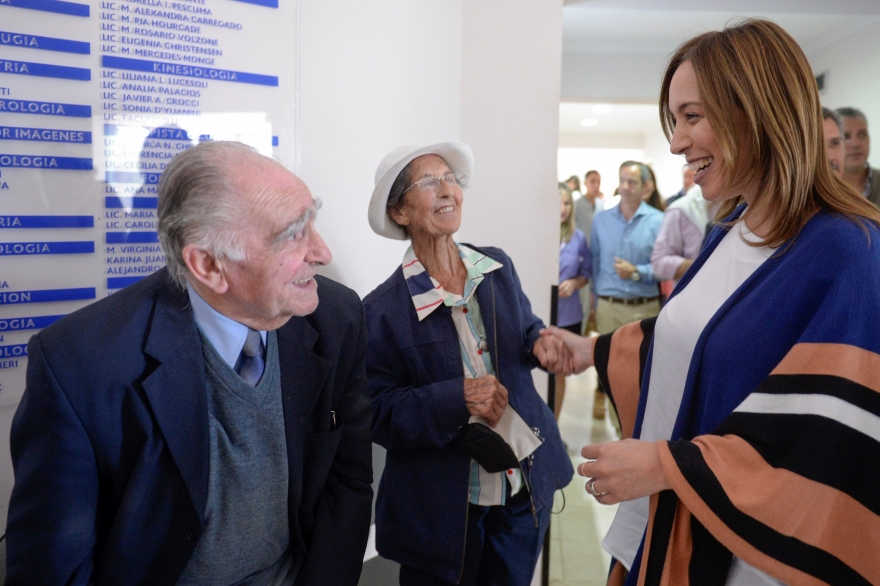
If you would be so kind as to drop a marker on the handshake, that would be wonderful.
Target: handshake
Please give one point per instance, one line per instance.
(562, 352)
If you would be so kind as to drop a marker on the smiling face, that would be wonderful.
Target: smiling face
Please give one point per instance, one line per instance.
(276, 280)
(695, 138)
(833, 145)
(427, 212)
(858, 142)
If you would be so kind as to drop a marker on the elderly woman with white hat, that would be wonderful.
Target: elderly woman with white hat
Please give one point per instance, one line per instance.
(474, 454)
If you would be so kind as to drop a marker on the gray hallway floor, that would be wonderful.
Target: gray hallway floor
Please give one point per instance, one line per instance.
(576, 556)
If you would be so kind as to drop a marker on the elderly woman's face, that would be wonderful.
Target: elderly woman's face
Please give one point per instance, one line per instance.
(428, 211)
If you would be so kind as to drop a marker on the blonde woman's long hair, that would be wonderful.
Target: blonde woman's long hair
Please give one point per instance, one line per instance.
(755, 72)
(566, 228)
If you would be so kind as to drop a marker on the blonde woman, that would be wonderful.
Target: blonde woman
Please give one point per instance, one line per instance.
(754, 393)
(574, 273)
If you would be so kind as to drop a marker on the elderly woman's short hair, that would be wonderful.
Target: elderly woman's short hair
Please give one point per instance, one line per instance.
(397, 193)
(197, 205)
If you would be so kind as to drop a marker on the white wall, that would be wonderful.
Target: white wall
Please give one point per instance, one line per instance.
(612, 77)
(373, 76)
(608, 140)
(854, 77)
(510, 116)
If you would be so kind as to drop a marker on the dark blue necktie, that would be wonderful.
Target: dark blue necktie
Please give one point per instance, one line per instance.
(252, 364)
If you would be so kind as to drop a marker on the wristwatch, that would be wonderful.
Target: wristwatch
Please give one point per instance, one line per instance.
(636, 276)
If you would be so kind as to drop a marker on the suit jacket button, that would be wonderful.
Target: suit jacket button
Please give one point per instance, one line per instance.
(192, 534)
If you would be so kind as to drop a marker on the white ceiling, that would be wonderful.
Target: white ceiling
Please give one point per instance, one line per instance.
(623, 118)
(654, 28)
(608, 30)
(794, 6)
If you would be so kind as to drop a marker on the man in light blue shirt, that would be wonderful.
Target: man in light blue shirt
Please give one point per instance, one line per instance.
(621, 244)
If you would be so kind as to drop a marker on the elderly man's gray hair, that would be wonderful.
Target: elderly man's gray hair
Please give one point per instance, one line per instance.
(197, 205)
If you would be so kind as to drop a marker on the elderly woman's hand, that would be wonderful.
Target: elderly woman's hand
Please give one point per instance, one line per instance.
(485, 397)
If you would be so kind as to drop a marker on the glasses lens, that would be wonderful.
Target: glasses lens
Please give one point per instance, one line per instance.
(431, 183)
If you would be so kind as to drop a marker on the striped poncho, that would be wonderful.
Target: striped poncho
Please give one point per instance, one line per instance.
(775, 453)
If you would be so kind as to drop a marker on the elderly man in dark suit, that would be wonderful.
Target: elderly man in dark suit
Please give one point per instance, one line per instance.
(211, 423)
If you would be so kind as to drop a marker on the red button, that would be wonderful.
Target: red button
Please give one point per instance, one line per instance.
(510, 471)
(464, 309)
(479, 351)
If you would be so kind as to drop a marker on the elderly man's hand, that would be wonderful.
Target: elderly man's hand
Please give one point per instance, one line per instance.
(485, 397)
(562, 352)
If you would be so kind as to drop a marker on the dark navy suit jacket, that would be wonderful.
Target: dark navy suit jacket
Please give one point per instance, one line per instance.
(417, 388)
(110, 442)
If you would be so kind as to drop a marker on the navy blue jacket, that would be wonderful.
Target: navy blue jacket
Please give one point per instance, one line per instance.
(416, 384)
(110, 442)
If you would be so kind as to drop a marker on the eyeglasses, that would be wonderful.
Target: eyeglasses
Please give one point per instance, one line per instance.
(433, 183)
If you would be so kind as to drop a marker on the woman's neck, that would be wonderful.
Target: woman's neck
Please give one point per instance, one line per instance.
(760, 219)
(440, 258)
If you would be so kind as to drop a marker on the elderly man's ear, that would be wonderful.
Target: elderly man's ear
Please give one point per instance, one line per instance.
(205, 269)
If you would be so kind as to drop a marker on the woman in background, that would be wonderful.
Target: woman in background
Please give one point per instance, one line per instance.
(574, 185)
(574, 273)
(652, 195)
(755, 402)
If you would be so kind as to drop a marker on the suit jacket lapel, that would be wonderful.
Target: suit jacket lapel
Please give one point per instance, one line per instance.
(177, 389)
(303, 376)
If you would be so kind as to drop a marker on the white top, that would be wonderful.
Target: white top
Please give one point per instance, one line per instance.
(678, 328)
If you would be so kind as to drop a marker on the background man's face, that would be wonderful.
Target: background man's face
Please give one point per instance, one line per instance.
(631, 187)
(687, 177)
(592, 184)
(857, 142)
(834, 145)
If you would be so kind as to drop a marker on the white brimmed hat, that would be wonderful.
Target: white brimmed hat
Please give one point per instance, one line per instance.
(457, 155)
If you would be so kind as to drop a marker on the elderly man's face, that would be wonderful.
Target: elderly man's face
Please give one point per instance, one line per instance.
(276, 279)
(858, 143)
(833, 145)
